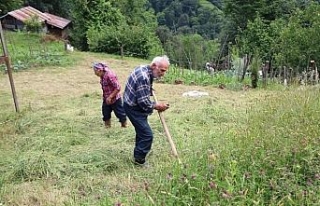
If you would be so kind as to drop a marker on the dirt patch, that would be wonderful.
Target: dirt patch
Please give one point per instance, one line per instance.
(36, 193)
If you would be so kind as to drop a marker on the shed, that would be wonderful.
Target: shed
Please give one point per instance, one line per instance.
(51, 23)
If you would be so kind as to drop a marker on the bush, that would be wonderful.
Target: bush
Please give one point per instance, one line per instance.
(33, 24)
(135, 41)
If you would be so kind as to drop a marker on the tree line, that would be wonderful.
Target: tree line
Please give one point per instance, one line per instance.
(191, 32)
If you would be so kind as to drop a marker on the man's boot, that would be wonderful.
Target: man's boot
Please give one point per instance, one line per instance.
(124, 124)
(107, 123)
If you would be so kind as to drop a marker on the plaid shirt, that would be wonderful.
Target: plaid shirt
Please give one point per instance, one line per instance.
(109, 82)
(138, 89)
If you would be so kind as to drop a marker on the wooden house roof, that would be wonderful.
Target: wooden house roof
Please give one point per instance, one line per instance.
(25, 13)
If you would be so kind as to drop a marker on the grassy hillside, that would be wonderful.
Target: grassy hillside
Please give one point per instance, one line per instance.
(253, 147)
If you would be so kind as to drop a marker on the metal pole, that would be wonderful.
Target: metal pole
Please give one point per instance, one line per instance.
(7, 62)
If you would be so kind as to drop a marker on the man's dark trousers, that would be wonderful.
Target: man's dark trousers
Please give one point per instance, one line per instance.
(144, 135)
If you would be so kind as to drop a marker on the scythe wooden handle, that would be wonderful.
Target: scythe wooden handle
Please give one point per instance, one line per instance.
(166, 130)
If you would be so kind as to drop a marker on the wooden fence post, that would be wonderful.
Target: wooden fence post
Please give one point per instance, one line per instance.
(285, 76)
(265, 70)
(315, 74)
(6, 60)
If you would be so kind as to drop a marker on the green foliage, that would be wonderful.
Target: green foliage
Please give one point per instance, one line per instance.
(33, 24)
(210, 50)
(239, 13)
(57, 7)
(137, 12)
(9, 5)
(117, 27)
(208, 21)
(187, 49)
(92, 14)
(257, 38)
(237, 63)
(291, 42)
(131, 40)
(201, 77)
(191, 51)
(237, 21)
(300, 37)
(189, 17)
(254, 68)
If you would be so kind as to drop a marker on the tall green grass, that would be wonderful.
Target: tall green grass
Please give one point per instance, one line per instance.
(270, 157)
(201, 77)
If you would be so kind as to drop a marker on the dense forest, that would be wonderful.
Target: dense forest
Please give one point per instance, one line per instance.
(192, 32)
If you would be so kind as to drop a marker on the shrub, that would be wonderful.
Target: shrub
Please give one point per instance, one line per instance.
(33, 24)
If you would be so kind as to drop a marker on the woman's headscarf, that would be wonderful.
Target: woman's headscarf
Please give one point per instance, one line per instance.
(100, 67)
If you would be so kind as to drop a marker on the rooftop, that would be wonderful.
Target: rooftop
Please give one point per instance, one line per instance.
(26, 12)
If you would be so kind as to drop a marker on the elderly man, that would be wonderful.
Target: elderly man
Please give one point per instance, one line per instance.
(138, 105)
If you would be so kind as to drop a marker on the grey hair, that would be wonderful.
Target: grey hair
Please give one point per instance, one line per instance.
(159, 59)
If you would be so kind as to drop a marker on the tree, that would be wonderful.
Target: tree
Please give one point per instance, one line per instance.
(137, 12)
(33, 24)
(256, 37)
(191, 51)
(189, 17)
(57, 7)
(9, 5)
(291, 42)
(300, 39)
(164, 34)
(238, 13)
(92, 14)
(132, 33)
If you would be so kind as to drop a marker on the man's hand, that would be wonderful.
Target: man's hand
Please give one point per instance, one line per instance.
(161, 107)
